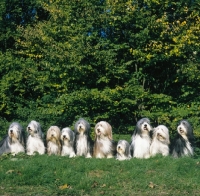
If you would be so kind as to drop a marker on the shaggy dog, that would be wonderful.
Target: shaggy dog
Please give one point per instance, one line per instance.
(123, 150)
(67, 139)
(53, 141)
(104, 146)
(83, 142)
(160, 142)
(141, 140)
(15, 140)
(183, 144)
(35, 141)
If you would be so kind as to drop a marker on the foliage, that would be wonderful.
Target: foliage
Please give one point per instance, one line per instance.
(102, 60)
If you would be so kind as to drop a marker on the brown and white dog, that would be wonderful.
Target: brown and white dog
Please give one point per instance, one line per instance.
(53, 140)
(104, 146)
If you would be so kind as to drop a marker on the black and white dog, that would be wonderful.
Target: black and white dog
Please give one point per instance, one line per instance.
(123, 150)
(141, 140)
(15, 140)
(67, 140)
(83, 144)
(183, 144)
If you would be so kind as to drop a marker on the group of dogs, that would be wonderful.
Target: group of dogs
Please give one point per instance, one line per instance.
(145, 141)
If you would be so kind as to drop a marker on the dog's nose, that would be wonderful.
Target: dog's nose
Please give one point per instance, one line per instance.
(119, 147)
(64, 136)
(11, 131)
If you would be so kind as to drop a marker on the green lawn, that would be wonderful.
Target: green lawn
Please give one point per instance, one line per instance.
(56, 175)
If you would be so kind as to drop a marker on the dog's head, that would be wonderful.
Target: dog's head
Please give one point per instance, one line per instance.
(16, 133)
(143, 127)
(123, 147)
(185, 129)
(161, 133)
(67, 134)
(82, 127)
(53, 133)
(103, 130)
(34, 129)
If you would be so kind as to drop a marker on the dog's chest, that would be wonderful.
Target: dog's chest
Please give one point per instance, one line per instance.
(81, 145)
(53, 147)
(16, 147)
(188, 150)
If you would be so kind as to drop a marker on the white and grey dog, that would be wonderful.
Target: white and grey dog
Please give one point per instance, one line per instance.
(15, 140)
(83, 142)
(67, 141)
(35, 141)
(53, 140)
(160, 142)
(141, 140)
(123, 150)
(104, 145)
(183, 144)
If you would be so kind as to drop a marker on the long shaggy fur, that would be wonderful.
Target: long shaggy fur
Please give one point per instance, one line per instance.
(141, 140)
(67, 141)
(183, 144)
(14, 141)
(104, 146)
(83, 142)
(123, 150)
(35, 141)
(53, 140)
(160, 142)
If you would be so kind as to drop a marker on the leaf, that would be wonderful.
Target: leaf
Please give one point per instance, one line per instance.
(65, 186)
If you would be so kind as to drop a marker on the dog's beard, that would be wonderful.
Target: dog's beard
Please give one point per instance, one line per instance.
(81, 128)
(160, 137)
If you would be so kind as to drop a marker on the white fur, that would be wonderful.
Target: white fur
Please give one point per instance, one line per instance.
(16, 148)
(82, 146)
(35, 139)
(160, 142)
(141, 146)
(35, 144)
(67, 138)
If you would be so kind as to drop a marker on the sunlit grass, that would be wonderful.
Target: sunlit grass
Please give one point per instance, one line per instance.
(55, 175)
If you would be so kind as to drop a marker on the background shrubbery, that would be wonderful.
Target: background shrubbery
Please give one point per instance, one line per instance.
(103, 60)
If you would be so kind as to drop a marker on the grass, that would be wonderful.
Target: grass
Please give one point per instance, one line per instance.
(56, 175)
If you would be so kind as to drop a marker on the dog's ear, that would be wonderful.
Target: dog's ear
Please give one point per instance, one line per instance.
(109, 129)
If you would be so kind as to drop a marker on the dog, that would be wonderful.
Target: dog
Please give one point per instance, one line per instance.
(53, 141)
(83, 143)
(14, 141)
(104, 145)
(67, 141)
(123, 150)
(160, 142)
(35, 141)
(141, 140)
(183, 143)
